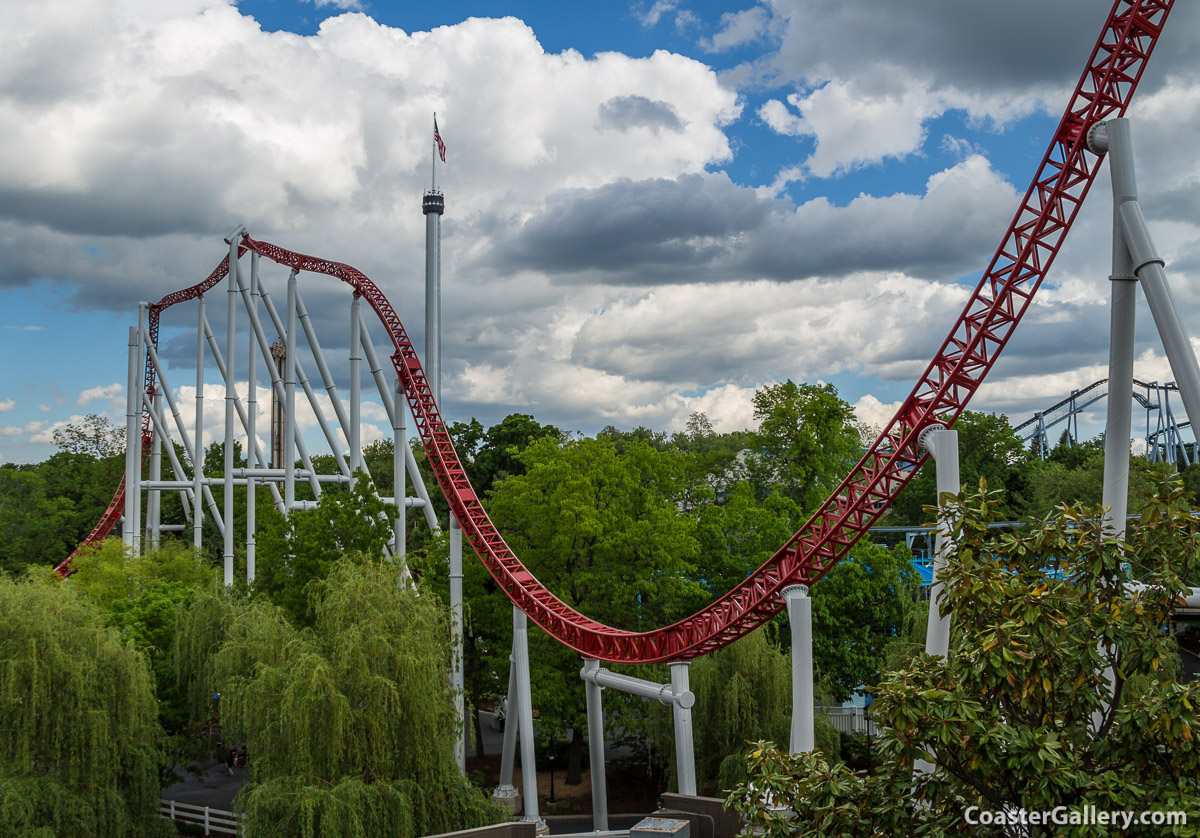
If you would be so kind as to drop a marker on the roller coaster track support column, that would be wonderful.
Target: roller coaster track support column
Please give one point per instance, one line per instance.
(456, 634)
(506, 793)
(154, 498)
(399, 478)
(232, 298)
(289, 395)
(942, 445)
(595, 721)
(1113, 136)
(251, 430)
(677, 695)
(685, 755)
(132, 431)
(799, 608)
(198, 440)
(524, 712)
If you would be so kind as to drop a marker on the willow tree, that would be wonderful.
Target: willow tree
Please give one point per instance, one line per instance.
(348, 724)
(79, 738)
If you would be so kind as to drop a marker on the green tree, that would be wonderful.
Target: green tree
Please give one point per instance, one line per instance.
(601, 530)
(349, 724)
(738, 533)
(38, 528)
(293, 553)
(1020, 714)
(859, 608)
(1078, 479)
(807, 437)
(142, 597)
(712, 465)
(79, 738)
(93, 436)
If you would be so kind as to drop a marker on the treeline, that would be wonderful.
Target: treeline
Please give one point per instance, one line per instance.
(636, 528)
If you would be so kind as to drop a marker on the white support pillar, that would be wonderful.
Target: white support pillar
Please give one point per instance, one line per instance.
(456, 640)
(391, 405)
(159, 422)
(137, 434)
(154, 498)
(685, 758)
(1114, 137)
(399, 478)
(525, 729)
(198, 441)
(231, 299)
(289, 389)
(942, 445)
(595, 717)
(799, 608)
(353, 437)
(131, 430)
(251, 429)
(505, 792)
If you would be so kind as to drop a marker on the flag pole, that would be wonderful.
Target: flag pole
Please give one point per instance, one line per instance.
(433, 161)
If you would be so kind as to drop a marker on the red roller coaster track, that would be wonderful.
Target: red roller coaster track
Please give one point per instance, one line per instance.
(1029, 247)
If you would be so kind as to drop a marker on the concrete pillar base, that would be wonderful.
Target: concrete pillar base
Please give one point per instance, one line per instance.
(509, 797)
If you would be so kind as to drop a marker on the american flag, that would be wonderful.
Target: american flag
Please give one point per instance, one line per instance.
(437, 138)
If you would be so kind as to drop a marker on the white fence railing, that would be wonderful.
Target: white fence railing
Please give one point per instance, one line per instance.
(849, 719)
(214, 821)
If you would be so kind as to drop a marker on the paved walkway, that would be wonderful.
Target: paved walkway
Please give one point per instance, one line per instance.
(214, 788)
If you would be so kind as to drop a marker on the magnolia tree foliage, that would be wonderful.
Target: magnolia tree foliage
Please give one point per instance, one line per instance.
(348, 724)
(79, 738)
(1020, 715)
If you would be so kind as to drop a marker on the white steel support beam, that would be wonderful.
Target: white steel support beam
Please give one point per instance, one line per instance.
(353, 432)
(131, 430)
(154, 499)
(137, 436)
(339, 411)
(399, 445)
(251, 430)
(1114, 137)
(685, 757)
(198, 450)
(1145, 263)
(942, 445)
(302, 379)
(677, 695)
(219, 360)
(595, 720)
(160, 429)
(799, 608)
(231, 299)
(289, 389)
(392, 406)
(525, 708)
(505, 792)
(456, 640)
(277, 383)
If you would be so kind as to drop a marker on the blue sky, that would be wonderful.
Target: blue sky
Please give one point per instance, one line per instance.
(653, 208)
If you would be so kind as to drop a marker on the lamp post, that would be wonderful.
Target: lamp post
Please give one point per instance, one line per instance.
(551, 799)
